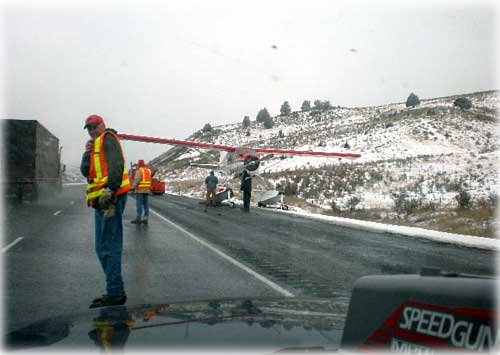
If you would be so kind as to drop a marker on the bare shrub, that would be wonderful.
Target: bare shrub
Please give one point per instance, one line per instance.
(353, 202)
(464, 199)
(335, 206)
(406, 204)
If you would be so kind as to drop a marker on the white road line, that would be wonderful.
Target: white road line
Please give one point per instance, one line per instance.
(228, 258)
(12, 244)
(56, 213)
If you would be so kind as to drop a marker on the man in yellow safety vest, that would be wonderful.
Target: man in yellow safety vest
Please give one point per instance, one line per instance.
(142, 187)
(103, 164)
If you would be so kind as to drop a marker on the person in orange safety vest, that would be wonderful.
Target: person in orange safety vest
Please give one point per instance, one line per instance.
(142, 187)
(103, 165)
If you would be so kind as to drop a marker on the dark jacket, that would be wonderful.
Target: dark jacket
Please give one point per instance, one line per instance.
(211, 181)
(113, 155)
(246, 181)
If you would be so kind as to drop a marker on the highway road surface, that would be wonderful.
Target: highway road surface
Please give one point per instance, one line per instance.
(185, 253)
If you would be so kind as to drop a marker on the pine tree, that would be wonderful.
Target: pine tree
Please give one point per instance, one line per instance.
(263, 115)
(412, 100)
(246, 121)
(306, 105)
(207, 127)
(326, 105)
(285, 108)
(322, 105)
(268, 123)
(463, 102)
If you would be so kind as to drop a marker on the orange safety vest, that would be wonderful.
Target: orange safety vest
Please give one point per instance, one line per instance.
(104, 334)
(98, 174)
(145, 183)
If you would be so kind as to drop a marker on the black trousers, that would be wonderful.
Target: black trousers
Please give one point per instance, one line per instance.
(246, 199)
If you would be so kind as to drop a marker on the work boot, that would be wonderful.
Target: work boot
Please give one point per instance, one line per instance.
(145, 221)
(136, 221)
(108, 300)
(98, 299)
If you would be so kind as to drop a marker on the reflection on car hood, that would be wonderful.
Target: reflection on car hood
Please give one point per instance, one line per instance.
(274, 324)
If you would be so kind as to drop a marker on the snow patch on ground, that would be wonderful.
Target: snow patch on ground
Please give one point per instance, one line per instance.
(465, 240)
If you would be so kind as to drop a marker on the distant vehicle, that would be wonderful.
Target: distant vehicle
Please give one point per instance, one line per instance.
(32, 163)
(397, 313)
(157, 186)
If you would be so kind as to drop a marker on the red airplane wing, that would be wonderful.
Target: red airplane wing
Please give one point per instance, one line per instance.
(229, 148)
(307, 152)
(133, 137)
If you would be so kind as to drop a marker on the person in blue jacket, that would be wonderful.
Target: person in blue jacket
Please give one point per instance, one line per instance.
(211, 182)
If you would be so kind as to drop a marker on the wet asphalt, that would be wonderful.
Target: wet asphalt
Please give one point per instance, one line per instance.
(54, 271)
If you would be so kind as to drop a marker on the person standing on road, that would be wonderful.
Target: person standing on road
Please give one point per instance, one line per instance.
(103, 164)
(211, 182)
(246, 187)
(142, 187)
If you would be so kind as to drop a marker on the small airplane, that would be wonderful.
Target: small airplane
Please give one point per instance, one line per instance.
(233, 160)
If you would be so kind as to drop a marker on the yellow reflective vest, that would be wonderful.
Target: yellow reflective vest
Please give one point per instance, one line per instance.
(98, 173)
(145, 183)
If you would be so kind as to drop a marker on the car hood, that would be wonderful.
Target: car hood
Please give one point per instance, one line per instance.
(272, 324)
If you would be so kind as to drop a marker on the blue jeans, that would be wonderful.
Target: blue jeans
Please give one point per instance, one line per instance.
(141, 200)
(109, 246)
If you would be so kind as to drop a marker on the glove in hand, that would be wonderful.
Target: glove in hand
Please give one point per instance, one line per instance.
(109, 212)
(107, 199)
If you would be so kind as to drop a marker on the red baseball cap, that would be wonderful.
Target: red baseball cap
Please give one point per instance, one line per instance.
(93, 119)
(140, 162)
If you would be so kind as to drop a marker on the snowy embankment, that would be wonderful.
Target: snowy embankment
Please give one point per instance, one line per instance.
(465, 240)
(403, 231)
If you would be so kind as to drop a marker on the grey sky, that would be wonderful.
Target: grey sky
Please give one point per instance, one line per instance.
(167, 68)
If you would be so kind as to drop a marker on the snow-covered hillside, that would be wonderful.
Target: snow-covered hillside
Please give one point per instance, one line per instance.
(72, 175)
(425, 155)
